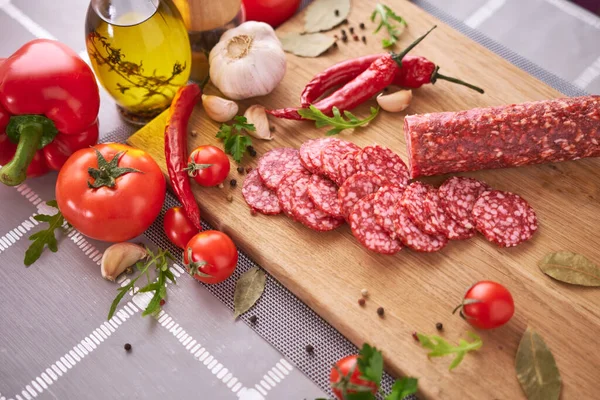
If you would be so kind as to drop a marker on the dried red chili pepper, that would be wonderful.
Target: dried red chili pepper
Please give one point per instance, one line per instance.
(176, 154)
(415, 72)
(375, 78)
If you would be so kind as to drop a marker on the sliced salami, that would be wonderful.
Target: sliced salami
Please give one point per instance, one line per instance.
(347, 167)
(258, 196)
(385, 205)
(323, 193)
(355, 188)
(314, 153)
(413, 238)
(311, 148)
(457, 197)
(305, 211)
(332, 154)
(442, 222)
(384, 162)
(285, 191)
(274, 164)
(413, 201)
(504, 218)
(369, 233)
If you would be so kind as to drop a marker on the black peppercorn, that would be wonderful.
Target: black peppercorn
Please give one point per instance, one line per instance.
(344, 39)
(337, 13)
(439, 326)
(362, 26)
(309, 348)
(233, 183)
(364, 39)
(351, 29)
(127, 347)
(334, 44)
(252, 151)
(343, 32)
(272, 129)
(240, 170)
(380, 311)
(253, 319)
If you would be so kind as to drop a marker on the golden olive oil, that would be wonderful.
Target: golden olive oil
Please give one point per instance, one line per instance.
(141, 57)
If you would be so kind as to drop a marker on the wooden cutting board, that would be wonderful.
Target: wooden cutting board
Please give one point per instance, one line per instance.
(328, 270)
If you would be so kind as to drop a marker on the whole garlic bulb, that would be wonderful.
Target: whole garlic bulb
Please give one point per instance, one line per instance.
(248, 61)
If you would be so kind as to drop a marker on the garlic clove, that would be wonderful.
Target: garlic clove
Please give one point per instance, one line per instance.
(257, 116)
(118, 257)
(219, 109)
(395, 102)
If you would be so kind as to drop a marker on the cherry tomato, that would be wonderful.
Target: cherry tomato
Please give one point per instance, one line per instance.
(487, 305)
(213, 256)
(124, 203)
(208, 165)
(273, 12)
(178, 227)
(346, 371)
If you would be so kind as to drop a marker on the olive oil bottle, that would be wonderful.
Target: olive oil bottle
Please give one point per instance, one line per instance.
(140, 52)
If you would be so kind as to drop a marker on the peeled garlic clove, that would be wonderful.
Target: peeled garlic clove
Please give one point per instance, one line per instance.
(395, 102)
(118, 257)
(219, 109)
(257, 116)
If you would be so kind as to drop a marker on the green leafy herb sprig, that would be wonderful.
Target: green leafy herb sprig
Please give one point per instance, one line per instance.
(388, 16)
(234, 142)
(45, 237)
(440, 347)
(337, 121)
(160, 262)
(370, 365)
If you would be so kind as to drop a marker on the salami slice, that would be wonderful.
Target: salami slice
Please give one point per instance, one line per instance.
(309, 149)
(369, 233)
(457, 197)
(413, 238)
(285, 190)
(274, 164)
(442, 222)
(385, 204)
(384, 162)
(314, 153)
(259, 197)
(323, 193)
(305, 212)
(355, 188)
(332, 154)
(413, 201)
(347, 167)
(504, 218)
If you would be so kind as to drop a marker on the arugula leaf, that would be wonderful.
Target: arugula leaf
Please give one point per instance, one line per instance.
(370, 363)
(388, 16)
(44, 237)
(337, 121)
(402, 388)
(360, 396)
(234, 142)
(440, 347)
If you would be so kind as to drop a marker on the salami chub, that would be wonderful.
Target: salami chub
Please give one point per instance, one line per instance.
(506, 136)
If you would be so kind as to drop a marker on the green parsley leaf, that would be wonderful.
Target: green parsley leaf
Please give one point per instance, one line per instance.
(388, 16)
(370, 363)
(234, 142)
(44, 237)
(337, 121)
(402, 388)
(440, 347)
(360, 396)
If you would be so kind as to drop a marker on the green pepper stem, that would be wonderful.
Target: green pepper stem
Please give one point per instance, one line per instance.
(398, 57)
(15, 171)
(436, 75)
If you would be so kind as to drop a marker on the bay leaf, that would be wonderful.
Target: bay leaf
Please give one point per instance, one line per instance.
(321, 14)
(306, 45)
(536, 368)
(571, 268)
(248, 289)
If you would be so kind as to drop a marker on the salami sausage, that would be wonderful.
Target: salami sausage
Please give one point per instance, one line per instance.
(413, 201)
(311, 150)
(347, 167)
(504, 218)
(366, 229)
(355, 188)
(383, 162)
(274, 164)
(323, 193)
(314, 153)
(413, 238)
(506, 136)
(259, 197)
(305, 212)
(332, 154)
(442, 221)
(385, 205)
(285, 190)
(457, 197)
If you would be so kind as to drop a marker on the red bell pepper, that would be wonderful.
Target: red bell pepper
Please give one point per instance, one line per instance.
(49, 104)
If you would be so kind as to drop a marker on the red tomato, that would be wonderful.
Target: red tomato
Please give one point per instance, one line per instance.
(120, 210)
(487, 305)
(178, 227)
(213, 254)
(338, 382)
(273, 12)
(210, 175)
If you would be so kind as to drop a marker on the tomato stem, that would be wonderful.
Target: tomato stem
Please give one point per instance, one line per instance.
(193, 168)
(194, 266)
(108, 171)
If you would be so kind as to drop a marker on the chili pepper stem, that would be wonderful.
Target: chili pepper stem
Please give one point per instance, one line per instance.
(15, 171)
(398, 57)
(436, 75)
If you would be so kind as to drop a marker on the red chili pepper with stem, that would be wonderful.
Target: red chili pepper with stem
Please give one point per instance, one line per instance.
(375, 78)
(176, 149)
(415, 72)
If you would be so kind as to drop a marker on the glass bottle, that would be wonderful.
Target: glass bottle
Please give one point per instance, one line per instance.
(140, 52)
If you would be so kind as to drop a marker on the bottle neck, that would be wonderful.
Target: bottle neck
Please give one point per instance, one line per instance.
(125, 12)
